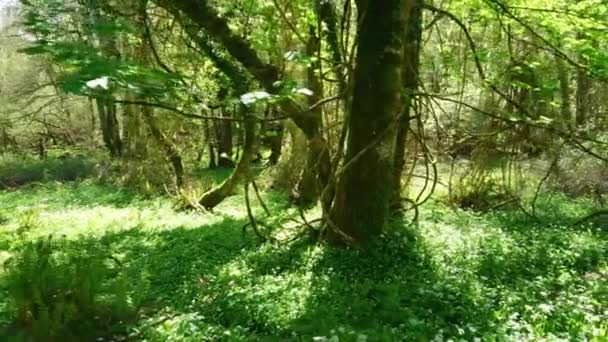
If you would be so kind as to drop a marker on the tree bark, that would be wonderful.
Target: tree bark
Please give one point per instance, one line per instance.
(225, 142)
(224, 134)
(583, 89)
(411, 63)
(309, 187)
(171, 151)
(564, 88)
(326, 12)
(134, 135)
(201, 15)
(363, 191)
(106, 109)
(216, 195)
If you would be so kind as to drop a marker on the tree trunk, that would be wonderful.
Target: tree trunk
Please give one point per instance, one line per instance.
(583, 89)
(215, 196)
(564, 87)
(308, 188)
(326, 12)
(202, 15)
(224, 134)
(286, 173)
(225, 142)
(275, 143)
(363, 190)
(171, 151)
(210, 145)
(134, 136)
(411, 62)
(110, 130)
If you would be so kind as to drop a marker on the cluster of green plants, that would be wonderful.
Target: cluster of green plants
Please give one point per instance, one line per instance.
(64, 290)
(22, 169)
(457, 275)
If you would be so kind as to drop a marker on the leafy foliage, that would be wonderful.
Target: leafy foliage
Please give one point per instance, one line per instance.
(19, 170)
(459, 275)
(59, 289)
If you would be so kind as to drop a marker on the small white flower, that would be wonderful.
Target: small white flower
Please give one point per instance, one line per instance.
(254, 96)
(305, 91)
(102, 82)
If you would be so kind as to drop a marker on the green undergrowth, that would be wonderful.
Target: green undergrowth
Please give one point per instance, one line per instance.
(22, 169)
(182, 276)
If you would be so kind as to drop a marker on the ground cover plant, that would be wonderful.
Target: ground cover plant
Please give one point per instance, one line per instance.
(187, 276)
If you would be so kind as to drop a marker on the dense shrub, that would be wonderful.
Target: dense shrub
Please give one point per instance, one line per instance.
(62, 290)
(481, 188)
(18, 170)
(579, 175)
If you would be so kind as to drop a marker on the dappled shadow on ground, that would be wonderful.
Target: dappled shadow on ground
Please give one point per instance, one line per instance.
(526, 247)
(180, 260)
(214, 282)
(168, 267)
(393, 291)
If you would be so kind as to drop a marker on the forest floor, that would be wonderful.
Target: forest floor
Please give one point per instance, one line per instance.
(456, 275)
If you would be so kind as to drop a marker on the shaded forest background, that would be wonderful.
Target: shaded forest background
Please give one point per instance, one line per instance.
(463, 138)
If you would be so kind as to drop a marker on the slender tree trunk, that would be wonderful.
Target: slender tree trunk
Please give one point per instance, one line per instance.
(363, 191)
(564, 88)
(134, 135)
(171, 151)
(216, 195)
(583, 89)
(212, 159)
(225, 142)
(326, 12)
(224, 134)
(308, 188)
(411, 62)
(110, 129)
(274, 141)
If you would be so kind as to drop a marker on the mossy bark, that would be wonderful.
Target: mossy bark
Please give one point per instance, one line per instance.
(583, 89)
(170, 149)
(564, 90)
(411, 63)
(216, 195)
(317, 170)
(363, 191)
(110, 130)
(200, 14)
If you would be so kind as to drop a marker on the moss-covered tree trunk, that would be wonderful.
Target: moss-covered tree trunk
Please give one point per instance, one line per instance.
(317, 170)
(201, 15)
(216, 195)
(134, 134)
(224, 133)
(583, 90)
(110, 130)
(169, 148)
(363, 191)
(411, 63)
(564, 89)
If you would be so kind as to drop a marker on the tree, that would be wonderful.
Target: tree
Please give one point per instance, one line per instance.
(363, 191)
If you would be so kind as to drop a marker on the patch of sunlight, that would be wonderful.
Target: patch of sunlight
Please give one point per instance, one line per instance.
(99, 220)
(272, 294)
(234, 207)
(453, 242)
(4, 256)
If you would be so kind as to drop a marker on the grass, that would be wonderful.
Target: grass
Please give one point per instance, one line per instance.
(457, 275)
